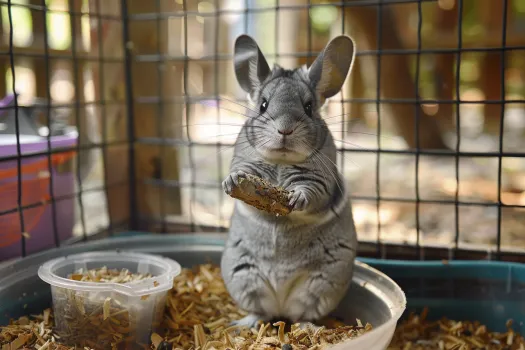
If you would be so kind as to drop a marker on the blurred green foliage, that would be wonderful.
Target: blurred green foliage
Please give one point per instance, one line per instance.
(23, 30)
(323, 17)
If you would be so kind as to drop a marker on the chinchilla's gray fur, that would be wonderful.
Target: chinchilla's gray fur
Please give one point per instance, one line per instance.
(297, 267)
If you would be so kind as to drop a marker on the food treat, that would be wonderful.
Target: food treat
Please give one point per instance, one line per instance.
(262, 195)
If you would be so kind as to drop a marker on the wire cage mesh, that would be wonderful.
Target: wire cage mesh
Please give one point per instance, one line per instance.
(429, 124)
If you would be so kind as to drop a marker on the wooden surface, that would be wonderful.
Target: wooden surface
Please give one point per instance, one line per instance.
(155, 163)
(395, 80)
(116, 157)
(445, 73)
(491, 77)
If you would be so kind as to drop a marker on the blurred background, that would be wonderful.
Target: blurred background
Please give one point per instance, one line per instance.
(149, 86)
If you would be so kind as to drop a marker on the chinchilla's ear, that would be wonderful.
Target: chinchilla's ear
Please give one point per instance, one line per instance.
(251, 68)
(330, 68)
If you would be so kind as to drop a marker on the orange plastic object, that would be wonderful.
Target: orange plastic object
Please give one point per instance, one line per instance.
(35, 193)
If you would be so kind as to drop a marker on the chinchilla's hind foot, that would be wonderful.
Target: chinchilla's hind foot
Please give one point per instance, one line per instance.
(250, 321)
(309, 326)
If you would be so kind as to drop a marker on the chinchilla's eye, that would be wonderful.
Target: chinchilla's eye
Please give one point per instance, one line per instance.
(264, 105)
(308, 109)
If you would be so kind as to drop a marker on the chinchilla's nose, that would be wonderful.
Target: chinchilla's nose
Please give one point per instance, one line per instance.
(285, 131)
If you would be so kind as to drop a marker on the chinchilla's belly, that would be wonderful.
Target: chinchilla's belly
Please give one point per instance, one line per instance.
(287, 260)
(279, 240)
(270, 236)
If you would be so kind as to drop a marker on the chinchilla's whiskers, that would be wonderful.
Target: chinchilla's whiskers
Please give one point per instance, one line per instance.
(355, 132)
(350, 131)
(259, 114)
(229, 100)
(238, 104)
(233, 145)
(236, 133)
(370, 134)
(305, 116)
(321, 164)
(361, 133)
(349, 143)
(222, 124)
(300, 128)
(226, 148)
(333, 172)
(338, 181)
(257, 146)
(226, 99)
(323, 122)
(247, 143)
(245, 147)
(340, 151)
(256, 141)
(324, 170)
(244, 115)
(256, 133)
(318, 155)
(320, 124)
(338, 122)
(308, 151)
(335, 116)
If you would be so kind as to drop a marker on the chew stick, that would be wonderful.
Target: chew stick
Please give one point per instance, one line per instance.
(262, 195)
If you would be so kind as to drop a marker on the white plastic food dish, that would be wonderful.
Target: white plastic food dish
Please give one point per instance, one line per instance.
(382, 294)
(142, 301)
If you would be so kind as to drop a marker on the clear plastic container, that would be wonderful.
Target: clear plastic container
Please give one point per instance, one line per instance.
(109, 315)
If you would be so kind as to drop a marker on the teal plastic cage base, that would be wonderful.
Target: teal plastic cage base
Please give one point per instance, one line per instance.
(484, 291)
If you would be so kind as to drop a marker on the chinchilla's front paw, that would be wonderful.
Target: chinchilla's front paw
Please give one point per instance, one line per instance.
(232, 180)
(298, 199)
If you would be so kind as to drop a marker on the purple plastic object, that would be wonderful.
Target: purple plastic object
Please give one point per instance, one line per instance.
(6, 101)
(41, 236)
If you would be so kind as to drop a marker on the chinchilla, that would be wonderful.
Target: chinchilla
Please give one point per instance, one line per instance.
(299, 266)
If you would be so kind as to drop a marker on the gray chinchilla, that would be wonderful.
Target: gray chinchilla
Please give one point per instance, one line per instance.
(295, 267)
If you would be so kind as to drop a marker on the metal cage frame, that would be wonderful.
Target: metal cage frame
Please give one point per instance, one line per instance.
(376, 249)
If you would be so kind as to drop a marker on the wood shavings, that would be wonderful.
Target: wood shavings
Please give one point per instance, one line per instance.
(100, 320)
(34, 333)
(280, 331)
(262, 195)
(417, 333)
(105, 275)
(106, 308)
(199, 312)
